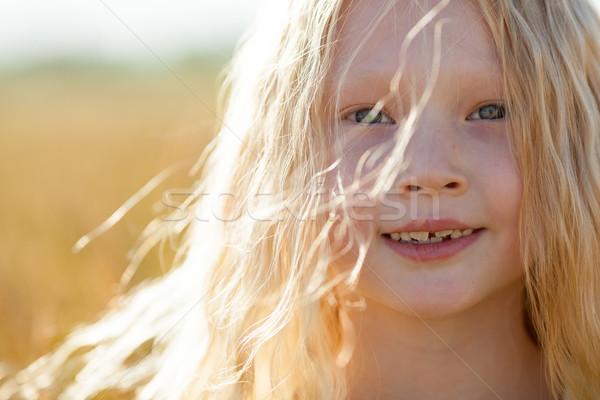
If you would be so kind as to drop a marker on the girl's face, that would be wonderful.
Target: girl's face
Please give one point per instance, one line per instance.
(459, 182)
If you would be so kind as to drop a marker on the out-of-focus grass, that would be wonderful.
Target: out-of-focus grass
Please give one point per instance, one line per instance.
(76, 140)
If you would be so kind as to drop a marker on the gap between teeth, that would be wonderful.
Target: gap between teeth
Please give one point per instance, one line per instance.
(427, 237)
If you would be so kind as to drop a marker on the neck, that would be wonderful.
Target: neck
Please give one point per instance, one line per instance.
(482, 353)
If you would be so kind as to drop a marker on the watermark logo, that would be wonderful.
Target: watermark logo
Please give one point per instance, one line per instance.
(183, 204)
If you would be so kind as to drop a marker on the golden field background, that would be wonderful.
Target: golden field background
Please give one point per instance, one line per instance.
(76, 140)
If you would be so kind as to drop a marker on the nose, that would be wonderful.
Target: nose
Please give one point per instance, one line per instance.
(434, 163)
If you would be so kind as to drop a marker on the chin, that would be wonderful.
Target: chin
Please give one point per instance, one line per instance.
(421, 303)
(434, 298)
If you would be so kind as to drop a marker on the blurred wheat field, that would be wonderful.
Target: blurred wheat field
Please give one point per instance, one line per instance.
(76, 140)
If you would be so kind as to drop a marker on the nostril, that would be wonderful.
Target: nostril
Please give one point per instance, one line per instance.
(451, 185)
(413, 188)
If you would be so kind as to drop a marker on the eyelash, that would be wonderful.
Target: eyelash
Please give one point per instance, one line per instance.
(382, 117)
(498, 113)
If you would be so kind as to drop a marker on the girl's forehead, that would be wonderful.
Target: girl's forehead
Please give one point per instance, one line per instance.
(373, 37)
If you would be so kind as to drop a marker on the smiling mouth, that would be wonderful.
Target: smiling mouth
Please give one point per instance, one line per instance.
(424, 237)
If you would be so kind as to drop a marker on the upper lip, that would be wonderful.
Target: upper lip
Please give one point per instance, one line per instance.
(432, 225)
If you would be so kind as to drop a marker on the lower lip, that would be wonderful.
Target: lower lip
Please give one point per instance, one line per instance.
(433, 251)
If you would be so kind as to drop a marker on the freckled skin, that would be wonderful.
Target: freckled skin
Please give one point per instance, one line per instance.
(466, 163)
(460, 317)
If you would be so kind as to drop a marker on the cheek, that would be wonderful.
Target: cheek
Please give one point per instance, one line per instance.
(507, 191)
(498, 179)
(347, 242)
(352, 196)
(360, 152)
(503, 190)
(353, 228)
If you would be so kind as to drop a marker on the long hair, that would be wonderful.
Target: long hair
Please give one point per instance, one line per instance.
(551, 57)
(254, 310)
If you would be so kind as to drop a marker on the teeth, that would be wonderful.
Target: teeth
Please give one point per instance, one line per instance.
(420, 236)
(424, 237)
(443, 233)
(405, 236)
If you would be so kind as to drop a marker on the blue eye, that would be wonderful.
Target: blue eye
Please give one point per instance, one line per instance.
(364, 116)
(488, 112)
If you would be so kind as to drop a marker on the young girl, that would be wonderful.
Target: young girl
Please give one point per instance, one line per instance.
(402, 203)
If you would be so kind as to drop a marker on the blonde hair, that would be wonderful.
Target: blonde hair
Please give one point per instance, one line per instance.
(255, 311)
(551, 56)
